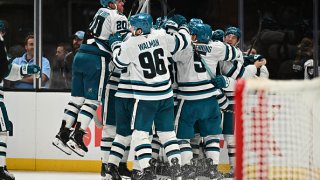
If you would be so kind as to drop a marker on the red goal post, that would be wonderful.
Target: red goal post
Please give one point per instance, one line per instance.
(277, 129)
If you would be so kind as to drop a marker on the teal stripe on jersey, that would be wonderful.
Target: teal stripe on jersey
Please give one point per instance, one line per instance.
(145, 93)
(241, 72)
(115, 83)
(227, 53)
(185, 42)
(233, 52)
(233, 69)
(188, 84)
(120, 63)
(141, 83)
(195, 93)
(177, 46)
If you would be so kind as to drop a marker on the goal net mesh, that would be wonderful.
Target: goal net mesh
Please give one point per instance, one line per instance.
(278, 129)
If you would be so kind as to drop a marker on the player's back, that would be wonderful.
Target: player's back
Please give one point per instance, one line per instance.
(193, 80)
(148, 66)
(108, 21)
(149, 57)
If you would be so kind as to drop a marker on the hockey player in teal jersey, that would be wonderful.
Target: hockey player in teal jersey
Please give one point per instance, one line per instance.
(90, 68)
(12, 72)
(146, 90)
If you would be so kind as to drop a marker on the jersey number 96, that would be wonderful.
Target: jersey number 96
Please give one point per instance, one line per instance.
(152, 63)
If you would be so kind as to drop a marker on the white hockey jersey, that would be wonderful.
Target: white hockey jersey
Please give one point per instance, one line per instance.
(145, 58)
(194, 82)
(106, 22)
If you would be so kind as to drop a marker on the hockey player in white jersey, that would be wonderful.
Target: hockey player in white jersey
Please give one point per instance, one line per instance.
(90, 68)
(148, 89)
(198, 94)
(231, 71)
(12, 72)
(109, 126)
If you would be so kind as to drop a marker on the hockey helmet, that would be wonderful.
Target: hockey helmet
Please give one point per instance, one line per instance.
(218, 35)
(203, 32)
(193, 22)
(233, 30)
(142, 21)
(104, 3)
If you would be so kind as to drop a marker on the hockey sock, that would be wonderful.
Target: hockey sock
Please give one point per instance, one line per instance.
(229, 139)
(195, 144)
(142, 147)
(118, 149)
(126, 154)
(3, 148)
(170, 145)
(108, 134)
(156, 145)
(186, 151)
(71, 111)
(87, 111)
(212, 146)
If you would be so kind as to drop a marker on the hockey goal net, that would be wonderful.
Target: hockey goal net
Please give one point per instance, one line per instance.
(277, 129)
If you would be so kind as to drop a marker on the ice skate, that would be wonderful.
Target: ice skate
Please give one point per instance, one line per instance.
(175, 169)
(136, 174)
(148, 174)
(124, 171)
(229, 175)
(103, 171)
(189, 171)
(61, 139)
(212, 171)
(76, 143)
(5, 175)
(112, 172)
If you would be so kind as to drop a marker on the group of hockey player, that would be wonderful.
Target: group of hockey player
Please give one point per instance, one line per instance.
(12, 72)
(133, 68)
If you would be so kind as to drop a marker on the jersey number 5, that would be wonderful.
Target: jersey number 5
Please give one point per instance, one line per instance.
(153, 63)
(198, 65)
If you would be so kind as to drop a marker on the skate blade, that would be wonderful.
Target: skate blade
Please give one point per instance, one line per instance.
(59, 144)
(159, 177)
(125, 177)
(107, 177)
(75, 148)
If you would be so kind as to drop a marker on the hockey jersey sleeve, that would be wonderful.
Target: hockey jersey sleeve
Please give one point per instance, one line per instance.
(14, 72)
(178, 41)
(120, 56)
(225, 51)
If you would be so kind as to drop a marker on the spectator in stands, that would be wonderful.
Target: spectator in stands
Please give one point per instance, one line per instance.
(57, 80)
(27, 58)
(295, 69)
(77, 40)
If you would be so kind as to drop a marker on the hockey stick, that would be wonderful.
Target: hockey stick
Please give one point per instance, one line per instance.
(255, 40)
(258, 33)
(134, 5)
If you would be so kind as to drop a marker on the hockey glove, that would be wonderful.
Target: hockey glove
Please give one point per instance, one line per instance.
(115, 40)
(28, 69)
(251, 59)
(220, 82)
(179, 19)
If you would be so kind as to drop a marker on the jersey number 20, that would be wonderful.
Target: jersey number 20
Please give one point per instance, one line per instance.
(152, 63)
